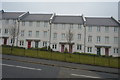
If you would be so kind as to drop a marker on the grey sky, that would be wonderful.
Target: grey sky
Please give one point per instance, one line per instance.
(86, 8)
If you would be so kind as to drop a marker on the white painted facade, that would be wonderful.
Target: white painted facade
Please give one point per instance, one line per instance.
(41, 33)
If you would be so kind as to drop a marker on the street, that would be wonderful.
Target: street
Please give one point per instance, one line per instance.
(18, 69)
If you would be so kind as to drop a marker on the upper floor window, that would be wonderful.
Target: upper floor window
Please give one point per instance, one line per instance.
(90, 28)
(30, 33)
(37, 23)
(79, 47)
(7, 21)
(98, 28)
(71, 26)
(37, 33)
(30, 23)
(106, 29)
(6, 31)
(55, 26)
(0, 30)
(63, 35)
(22, 32)
(23, 23)
(63, 26)
(45, 24)
(115, 29)
(79, 26)
(54, 35)
(115, 40)
(45, 33)
(79, 36)
(89, 38)
(106, 39)
(98, 39)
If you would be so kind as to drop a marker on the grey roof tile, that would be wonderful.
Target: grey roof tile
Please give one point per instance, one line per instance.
(98, 21)
(11, 15)
(37, 17)
(68, 19)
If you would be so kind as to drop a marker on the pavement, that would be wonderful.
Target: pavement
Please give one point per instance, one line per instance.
(62, 64)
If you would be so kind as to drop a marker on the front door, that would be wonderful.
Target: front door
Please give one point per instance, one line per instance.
(107, 51)
(29, 44)
(36, 44)
(70, 48)
(62, 48)
(5, 41)
(98, 51)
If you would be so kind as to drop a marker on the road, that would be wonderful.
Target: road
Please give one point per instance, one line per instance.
(18, 69)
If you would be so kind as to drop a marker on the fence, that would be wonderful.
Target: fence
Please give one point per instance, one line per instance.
(68, 57)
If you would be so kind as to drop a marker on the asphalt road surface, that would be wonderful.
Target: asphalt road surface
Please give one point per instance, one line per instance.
(17, 69)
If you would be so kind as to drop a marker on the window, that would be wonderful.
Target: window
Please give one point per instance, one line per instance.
(79, 36)
(106, 29)
(36, 44)
(115, 40)
(22, 32)
(23, 23)
(98, 28)
(71, 26)
(89, 49)
(63, 26)
(89, 38)
(115, 50)
(30, 33)
(79, 47)
(0, 30)
(54, 46)
(106, 39)
(7, 21)
(79, 26)
(54, 35)
(30, 23)
(55, 26)
(63, 35)
(90, 28)
(45, 24)
(115, 29)
(45, 34)
(11, 41)
(21, 43)
(37, 33)
(44, 43)
(37, 23)
(98, 39)
(6, 31)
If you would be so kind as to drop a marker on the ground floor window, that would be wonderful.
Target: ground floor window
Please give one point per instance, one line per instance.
(21, 43)
(79, 47)
(54, 46)
(44, 43)
(115, 50)
(89, 49)
(36, 44)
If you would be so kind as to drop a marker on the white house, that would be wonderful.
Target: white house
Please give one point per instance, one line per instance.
(97, 35)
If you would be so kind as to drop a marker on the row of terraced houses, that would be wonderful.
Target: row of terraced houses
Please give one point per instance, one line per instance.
(97, 35)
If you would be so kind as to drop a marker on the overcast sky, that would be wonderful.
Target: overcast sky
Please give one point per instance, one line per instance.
(86, 8)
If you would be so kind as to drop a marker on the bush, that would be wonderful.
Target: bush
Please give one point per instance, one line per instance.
(44, 49)
(49, 48)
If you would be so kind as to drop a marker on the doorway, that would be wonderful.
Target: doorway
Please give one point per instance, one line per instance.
(5, 41)
(107, 51)
(29, 44)
(62, 48)
(70, 48)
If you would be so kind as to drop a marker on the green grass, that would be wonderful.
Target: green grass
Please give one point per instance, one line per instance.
(85, 59)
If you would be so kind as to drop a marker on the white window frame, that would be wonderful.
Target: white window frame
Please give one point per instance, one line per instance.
(79, 47)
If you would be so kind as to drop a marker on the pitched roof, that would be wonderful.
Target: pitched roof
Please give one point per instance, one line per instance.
(98, 21)
(68, 19)
(11, 15)
(37, 17)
